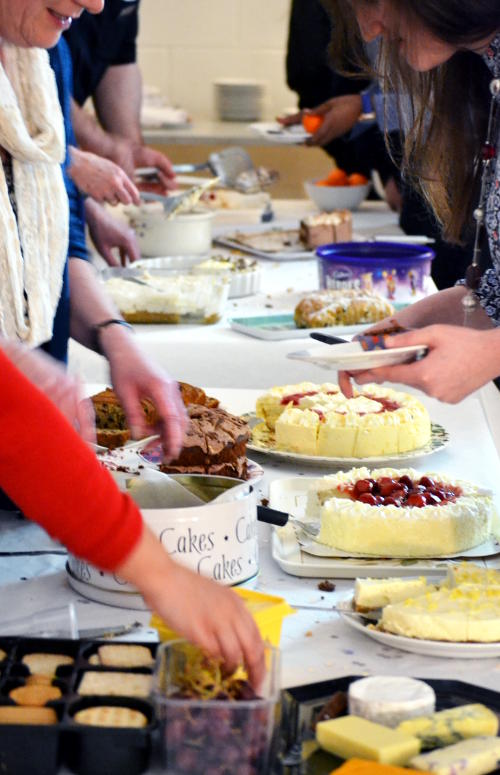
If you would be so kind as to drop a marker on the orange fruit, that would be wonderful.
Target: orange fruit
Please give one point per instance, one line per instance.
(311, 122)
(356, 179)
(337, 177)
(322, 183)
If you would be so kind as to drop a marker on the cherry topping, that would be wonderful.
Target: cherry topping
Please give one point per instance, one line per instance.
(427, 482)
(387, 491)
(363, 485)
(367, 497)
(416, 499)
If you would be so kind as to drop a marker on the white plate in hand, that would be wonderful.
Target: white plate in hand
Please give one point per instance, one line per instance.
(351, 356)
(432, 648)
(278, 133)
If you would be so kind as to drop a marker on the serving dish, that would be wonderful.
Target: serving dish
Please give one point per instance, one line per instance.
(329, 198)
(431, 648)
(182, 234)
(278, 244)
(264, 442)
(301, 706)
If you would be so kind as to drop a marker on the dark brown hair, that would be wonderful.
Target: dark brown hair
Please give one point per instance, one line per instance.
(448, 105)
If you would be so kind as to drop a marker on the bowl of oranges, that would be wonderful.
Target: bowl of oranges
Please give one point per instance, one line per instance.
(338, 190)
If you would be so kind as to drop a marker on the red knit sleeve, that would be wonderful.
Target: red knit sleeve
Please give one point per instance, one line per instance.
(55, 478)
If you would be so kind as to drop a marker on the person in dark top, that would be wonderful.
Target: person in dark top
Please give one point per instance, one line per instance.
(310, 75)
(316, 82)
(103, 49)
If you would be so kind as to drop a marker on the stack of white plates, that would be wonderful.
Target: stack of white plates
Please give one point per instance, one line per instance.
(238, 99)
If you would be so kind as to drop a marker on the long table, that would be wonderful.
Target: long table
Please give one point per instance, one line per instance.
(316, 644)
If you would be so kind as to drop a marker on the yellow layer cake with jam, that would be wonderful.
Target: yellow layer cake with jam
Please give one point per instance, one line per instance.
(400, 513)
(461, 615)
(319, 420)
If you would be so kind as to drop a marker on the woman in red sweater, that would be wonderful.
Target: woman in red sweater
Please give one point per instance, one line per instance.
(56, 480)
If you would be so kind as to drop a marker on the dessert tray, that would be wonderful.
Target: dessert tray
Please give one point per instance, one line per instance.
(298, 554)
(432, 648)
(277, 133)
(278, 244)
(264, 443)
(276, 327)
(351, 356)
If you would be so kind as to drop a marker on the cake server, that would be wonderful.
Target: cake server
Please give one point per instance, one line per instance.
(327, 338)
(281, 518)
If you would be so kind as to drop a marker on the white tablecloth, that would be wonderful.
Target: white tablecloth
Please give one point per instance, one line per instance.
(316, 645)
(212, 354)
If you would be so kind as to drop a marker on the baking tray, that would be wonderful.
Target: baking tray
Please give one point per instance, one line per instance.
(301, 705)
(33, 749)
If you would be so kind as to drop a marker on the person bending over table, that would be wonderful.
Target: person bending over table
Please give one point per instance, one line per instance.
(105, 68)
(443, 55)
(58, 482)
(35, 302)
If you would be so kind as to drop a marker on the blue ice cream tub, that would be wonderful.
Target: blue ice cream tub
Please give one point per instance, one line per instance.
(396, 270)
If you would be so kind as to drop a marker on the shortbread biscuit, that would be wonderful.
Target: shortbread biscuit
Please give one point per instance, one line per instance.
(45, 664)
(111, 716)
(94, 659)
(38, 680)
(16, 714)
(115, 684)
(35, 696)
(3, 654)
(125, 655)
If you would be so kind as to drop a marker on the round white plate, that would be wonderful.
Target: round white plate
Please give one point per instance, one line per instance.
(351, 357)
(431, 648)
(438, 441)
(276, 133)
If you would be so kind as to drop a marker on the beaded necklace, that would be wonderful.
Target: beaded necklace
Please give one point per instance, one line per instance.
(488, 158)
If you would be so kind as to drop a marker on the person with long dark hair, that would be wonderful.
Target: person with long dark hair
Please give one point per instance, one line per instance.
(441, 60)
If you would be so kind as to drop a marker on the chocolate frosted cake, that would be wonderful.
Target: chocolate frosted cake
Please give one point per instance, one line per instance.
(215, 443)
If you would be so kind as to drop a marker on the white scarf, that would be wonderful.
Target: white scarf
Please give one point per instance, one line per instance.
(32, 250)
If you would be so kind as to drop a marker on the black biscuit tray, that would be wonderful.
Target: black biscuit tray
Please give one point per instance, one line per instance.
(87, 750)
(302, 704)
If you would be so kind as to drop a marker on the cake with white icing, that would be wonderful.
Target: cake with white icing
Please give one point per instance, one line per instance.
(370, 594)
(463, 614)
(319, 420)
(400, 513)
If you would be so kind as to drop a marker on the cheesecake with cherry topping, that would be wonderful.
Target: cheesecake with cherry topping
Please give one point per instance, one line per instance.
(319, 420)
(400, 513)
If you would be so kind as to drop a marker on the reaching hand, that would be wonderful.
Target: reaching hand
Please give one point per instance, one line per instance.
(149, 157)
(458, 362)
(102, 179)
(214, 618)
(339, 116)
(134, 377)
(108, 233)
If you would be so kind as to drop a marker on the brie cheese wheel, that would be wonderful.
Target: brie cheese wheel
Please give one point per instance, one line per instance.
(389, 700)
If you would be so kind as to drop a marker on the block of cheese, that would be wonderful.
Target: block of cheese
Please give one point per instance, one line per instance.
(375, 593)
(390, 699)
(451, 726)
(460, 615)
(351, 736)
(362, 767)
(475, 756)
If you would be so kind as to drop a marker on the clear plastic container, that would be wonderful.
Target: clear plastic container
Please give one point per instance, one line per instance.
(205, 737)
(168, 297)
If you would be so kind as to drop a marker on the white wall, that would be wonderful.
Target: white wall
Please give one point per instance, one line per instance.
(184, 45)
